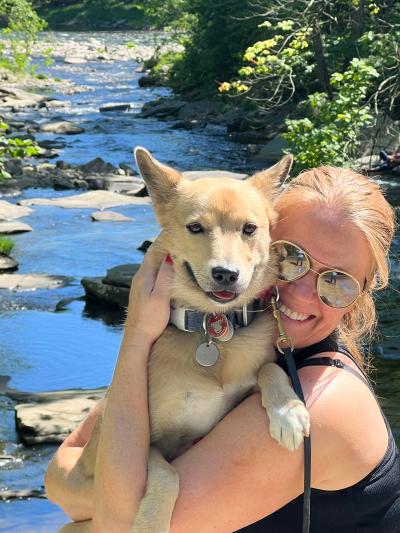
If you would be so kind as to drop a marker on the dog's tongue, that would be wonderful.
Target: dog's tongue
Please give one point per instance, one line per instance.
(224, 295)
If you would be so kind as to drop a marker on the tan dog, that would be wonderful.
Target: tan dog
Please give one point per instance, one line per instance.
(217, 231)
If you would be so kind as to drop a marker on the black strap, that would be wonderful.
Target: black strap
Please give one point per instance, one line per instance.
(328, 361)
(291, 367)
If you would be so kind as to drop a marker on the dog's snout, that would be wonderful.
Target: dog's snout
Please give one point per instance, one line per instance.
(223, 276)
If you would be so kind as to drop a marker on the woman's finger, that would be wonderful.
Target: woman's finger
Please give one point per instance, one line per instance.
(162, 285)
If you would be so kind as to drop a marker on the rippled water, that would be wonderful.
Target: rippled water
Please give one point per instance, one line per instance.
(43, 349)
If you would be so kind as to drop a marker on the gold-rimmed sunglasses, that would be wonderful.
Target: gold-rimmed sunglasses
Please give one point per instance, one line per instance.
(335, 288)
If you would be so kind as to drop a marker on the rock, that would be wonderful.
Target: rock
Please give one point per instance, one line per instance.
(161, 107)
(109, 216)
(114, 107)
(97, 166)
(145, 245)
(53, 420)
(129, 171)
(140, 192)
(201, 111)
(10, 211)
(53, 104)
(124, 183)
(46, 167)
(121, 275)
(48, 144)
(61, 127)
(149, 81)
(13, 167)
(89, 200)
(9, 228)
(197, 174)
(23, 494)
(74, 60)
(104, 293)
(7, 264)
(62, 164)
(270, 153)
(28, 282)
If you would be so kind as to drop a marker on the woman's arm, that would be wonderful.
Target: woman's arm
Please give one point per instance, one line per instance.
(62, 480)
(121, 466)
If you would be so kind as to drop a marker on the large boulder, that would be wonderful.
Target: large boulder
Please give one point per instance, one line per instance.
(50, 417)
(97, 166)
(269, 153)
(114, 288)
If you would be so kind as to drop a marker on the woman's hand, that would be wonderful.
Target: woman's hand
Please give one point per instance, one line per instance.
(149, 299)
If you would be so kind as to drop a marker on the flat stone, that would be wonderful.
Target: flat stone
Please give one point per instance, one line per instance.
(29, 282)
(109, 216)
(75, 60)
(10, 211)
(7, 263)
(89, 200)
(123, 183)
(53, 421)
(22, 494)
(198, 174)
(115, 107)
(61, 127)
(8, 228)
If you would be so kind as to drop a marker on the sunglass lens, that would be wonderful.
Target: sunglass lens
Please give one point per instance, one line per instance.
(337, 289)
(292, 261)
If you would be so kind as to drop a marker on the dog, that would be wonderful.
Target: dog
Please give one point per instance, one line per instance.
(218, 345)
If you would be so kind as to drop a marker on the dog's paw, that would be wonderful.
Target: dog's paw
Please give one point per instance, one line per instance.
(289, 424)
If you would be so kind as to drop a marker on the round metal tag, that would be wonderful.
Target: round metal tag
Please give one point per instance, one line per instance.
(219, 327)
(207, 354)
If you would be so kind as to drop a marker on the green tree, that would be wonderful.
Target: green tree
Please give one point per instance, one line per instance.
(23, 26)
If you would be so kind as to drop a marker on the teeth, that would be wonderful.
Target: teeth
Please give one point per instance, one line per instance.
(292, 314)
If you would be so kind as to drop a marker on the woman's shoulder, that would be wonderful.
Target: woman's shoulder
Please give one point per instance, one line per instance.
(349, 433)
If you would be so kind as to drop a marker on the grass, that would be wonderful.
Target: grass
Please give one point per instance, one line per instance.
(6, 245)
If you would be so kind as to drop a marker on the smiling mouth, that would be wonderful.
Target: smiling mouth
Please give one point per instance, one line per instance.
(217, 296)
(293, 315)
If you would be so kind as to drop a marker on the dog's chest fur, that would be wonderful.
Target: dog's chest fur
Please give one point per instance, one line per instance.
(186, 399)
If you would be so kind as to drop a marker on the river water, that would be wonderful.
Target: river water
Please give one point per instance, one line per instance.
(45, 349)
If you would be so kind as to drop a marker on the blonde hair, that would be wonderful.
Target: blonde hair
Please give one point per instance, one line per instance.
(360, 201)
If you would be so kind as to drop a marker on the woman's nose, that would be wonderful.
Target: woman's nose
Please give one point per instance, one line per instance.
(304, 287)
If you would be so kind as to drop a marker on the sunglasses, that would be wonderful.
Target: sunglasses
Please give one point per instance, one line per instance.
(335, 288)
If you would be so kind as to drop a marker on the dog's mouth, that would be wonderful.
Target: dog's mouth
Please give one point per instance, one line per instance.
(222, 296)
(218, 296)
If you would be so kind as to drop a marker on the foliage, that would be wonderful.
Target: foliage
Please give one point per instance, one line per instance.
(330, 130)
(339, 61)
(92, 14)
(21, 32)
(13, 148)
(6, 245)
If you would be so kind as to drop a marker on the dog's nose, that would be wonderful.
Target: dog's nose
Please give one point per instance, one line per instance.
(224, 276)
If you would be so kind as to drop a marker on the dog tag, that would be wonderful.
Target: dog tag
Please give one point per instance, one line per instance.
(219, 327)
(207, 354)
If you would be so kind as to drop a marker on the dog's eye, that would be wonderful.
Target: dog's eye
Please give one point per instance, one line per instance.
(249, 228)
(195, 227)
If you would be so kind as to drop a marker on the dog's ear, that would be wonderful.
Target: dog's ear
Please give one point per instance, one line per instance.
(269, 180)
(160, 179)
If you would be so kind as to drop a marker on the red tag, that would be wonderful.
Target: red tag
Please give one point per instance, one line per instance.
(217, 326)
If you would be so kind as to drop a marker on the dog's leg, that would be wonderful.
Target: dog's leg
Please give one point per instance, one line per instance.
(289, 420)
(155, 510)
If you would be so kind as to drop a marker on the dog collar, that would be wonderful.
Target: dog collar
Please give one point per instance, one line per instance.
(213, 323)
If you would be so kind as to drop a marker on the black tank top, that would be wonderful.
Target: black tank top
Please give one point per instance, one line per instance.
(370, 506)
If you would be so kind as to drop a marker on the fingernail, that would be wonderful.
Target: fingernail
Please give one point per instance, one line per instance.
(169, 260)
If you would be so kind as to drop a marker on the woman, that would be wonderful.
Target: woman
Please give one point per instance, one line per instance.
(332, 238)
